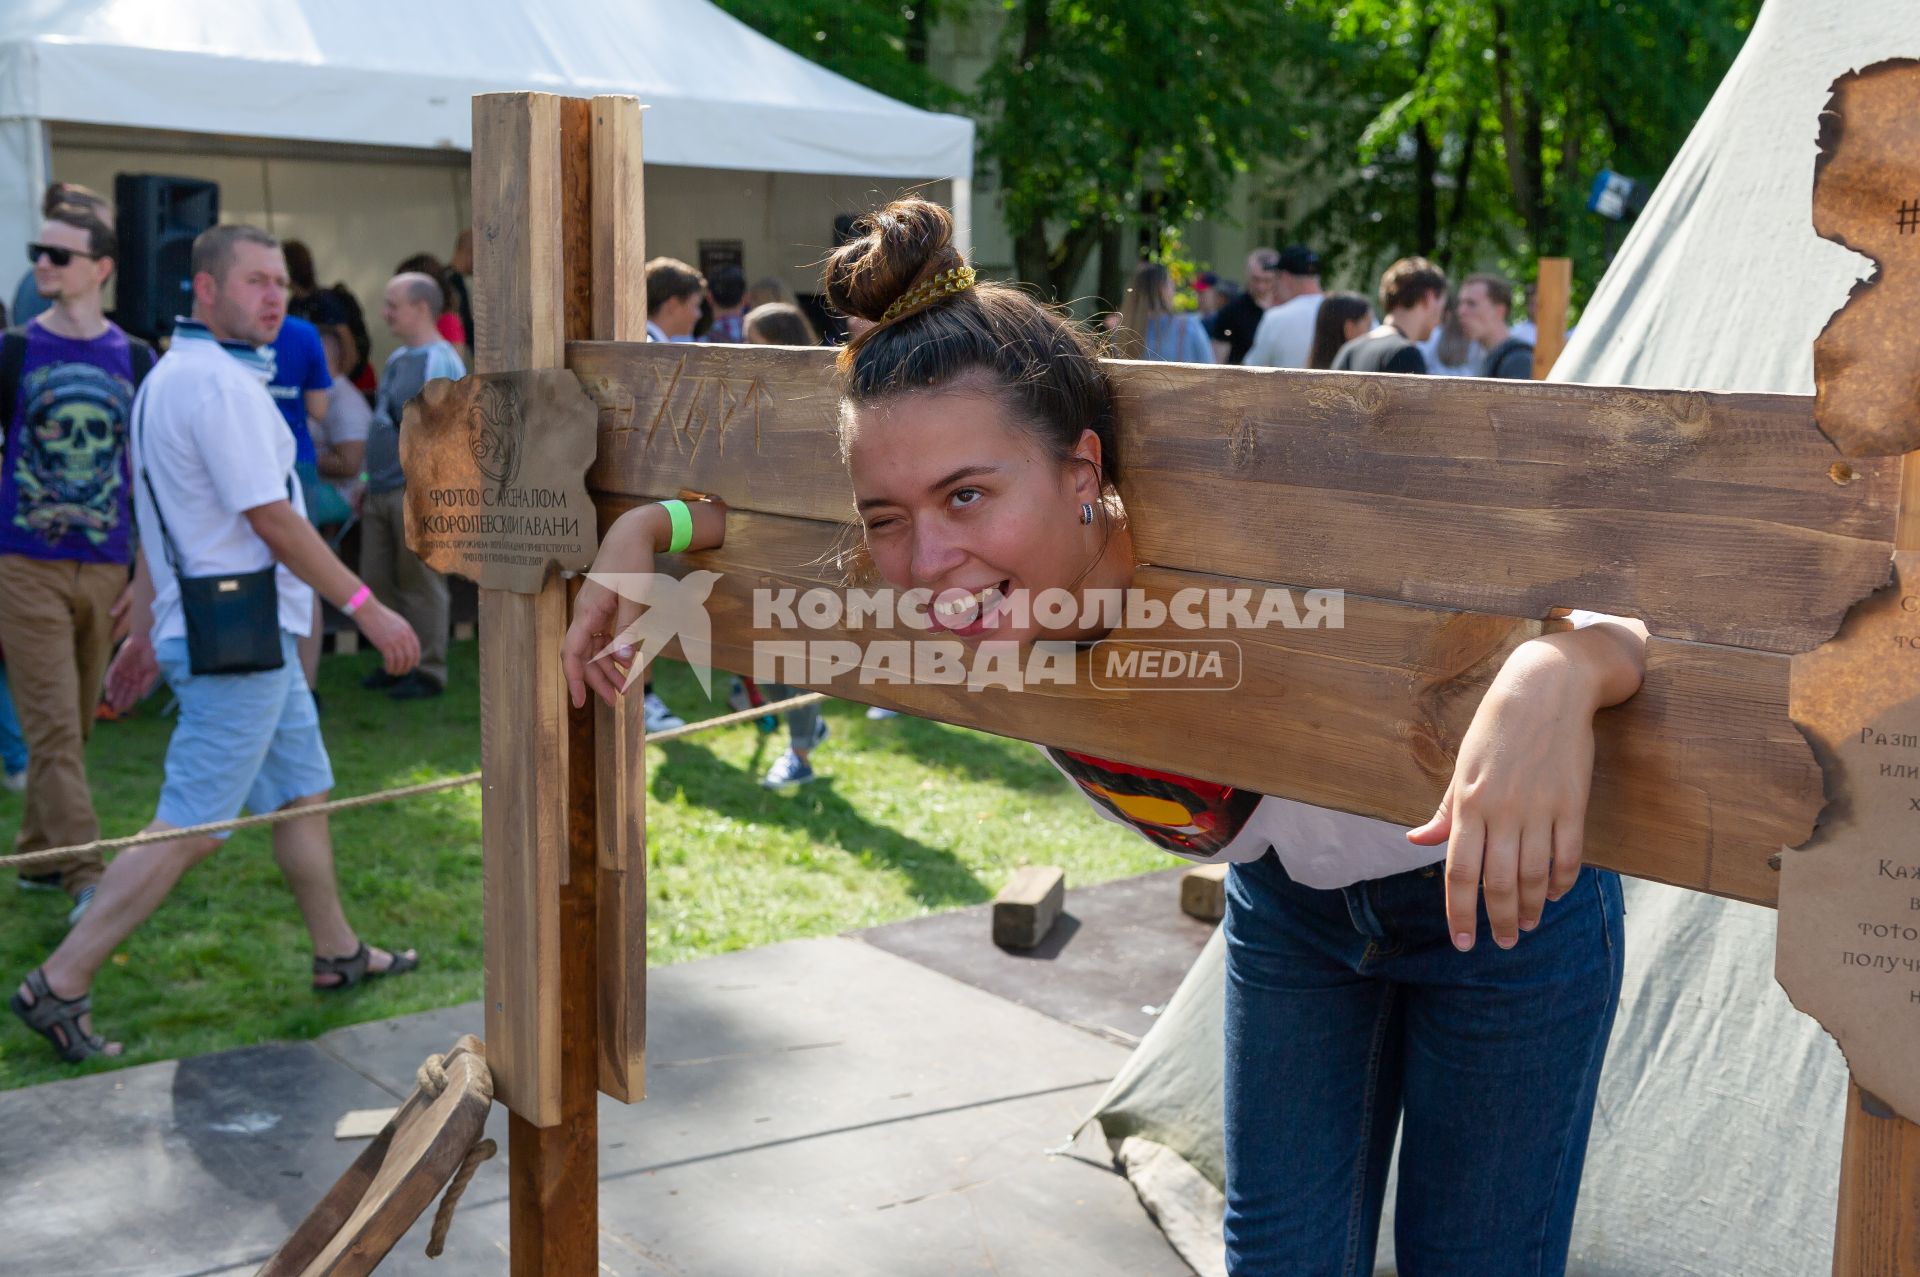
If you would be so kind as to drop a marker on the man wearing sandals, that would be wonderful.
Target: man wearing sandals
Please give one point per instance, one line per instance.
(212, 461)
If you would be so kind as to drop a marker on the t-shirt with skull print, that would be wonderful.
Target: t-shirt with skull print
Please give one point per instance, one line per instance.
(65, 481)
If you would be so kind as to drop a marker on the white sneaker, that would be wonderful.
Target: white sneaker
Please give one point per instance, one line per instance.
(14, 782)
(878, 712)
(659, 717)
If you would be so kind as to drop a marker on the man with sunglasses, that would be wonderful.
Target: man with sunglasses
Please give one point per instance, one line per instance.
(27, 299)
(66, 383)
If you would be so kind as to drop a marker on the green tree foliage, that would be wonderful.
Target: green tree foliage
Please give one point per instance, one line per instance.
(1468, 130)
(1100, 116)
(1472, 130)
(879, 43)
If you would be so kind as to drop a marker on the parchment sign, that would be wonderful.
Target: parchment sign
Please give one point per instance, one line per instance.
(1866, 195)
(496, 476)
(1849, 952)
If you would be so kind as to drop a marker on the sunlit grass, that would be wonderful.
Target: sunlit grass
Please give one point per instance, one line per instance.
(908, 817)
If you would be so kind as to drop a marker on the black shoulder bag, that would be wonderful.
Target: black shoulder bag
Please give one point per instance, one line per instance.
(233, 620)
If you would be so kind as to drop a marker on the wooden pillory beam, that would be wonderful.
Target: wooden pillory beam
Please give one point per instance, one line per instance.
(1455, 513)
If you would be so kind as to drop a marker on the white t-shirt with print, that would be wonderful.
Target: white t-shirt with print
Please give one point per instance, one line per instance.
(213, 443)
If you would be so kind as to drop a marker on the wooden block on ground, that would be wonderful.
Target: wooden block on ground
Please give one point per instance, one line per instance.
(1027, 907)
(362, 1124)
(1203, 892)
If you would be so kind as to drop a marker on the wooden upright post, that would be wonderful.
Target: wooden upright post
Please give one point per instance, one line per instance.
(532, 241)
(1553, 289)
(620, 314)
(1877, 1233)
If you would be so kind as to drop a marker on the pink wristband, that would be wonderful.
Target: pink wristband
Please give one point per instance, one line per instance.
(359, 600)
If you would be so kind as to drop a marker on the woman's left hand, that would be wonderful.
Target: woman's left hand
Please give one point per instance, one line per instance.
(1514, 815)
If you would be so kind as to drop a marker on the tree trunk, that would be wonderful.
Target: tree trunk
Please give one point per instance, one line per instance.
(916, 35)
(1426, 166)
(1030, 254)
(1070, 258)
(1462, 176)
(1115, 262)
(1426, 208)
(1510, 126)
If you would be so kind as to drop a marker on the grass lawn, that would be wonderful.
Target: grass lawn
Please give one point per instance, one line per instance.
(908, 817)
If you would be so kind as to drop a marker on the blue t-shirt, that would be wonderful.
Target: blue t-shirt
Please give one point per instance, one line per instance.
(65, 481)
(299, 365)
(1178, 339)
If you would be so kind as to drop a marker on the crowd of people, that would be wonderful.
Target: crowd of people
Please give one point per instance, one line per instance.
(190, 517)
(1418, 322)
(154, 525)
(122, 495)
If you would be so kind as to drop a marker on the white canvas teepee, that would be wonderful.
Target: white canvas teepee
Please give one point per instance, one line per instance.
(1716, 1145)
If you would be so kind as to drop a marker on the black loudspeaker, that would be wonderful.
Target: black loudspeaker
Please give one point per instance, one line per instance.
(157, 220)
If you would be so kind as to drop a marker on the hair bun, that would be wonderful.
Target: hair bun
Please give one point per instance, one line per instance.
(893, 249)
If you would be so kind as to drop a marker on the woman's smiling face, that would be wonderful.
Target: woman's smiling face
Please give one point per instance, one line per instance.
(957, 499)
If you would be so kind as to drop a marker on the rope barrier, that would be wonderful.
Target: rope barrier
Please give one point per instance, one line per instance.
(31, 858)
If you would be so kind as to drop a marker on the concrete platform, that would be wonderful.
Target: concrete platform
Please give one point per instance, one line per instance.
(823, 1106)
(1108, 966)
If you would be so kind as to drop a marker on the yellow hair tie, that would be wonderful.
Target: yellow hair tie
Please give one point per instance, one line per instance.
(945, 284)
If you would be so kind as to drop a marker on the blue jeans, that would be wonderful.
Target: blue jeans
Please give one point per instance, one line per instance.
(13, 746)
(803, 724)
(1350, 1011)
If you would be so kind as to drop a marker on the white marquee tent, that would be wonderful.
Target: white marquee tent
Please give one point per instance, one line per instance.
(1716, 1143)
(347, 121)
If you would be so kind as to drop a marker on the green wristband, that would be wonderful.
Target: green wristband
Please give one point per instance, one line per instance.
(682, 520)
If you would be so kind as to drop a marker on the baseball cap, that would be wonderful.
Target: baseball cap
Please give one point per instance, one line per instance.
(1299, 260)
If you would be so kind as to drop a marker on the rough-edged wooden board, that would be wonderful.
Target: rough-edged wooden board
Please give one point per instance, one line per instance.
(517, 301)
(395, 1178)
(620, 889)
(1699, 779)
(1877, 1228)
(1712, 517)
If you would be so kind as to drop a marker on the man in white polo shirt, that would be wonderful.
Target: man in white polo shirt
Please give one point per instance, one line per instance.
(212, 463)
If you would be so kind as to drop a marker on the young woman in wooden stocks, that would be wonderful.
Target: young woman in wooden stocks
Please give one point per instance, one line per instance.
(1366, 988)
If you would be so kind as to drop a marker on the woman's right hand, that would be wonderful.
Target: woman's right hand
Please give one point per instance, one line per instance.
(600, 613)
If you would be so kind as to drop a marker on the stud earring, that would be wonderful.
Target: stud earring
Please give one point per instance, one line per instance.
(1086, 512)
